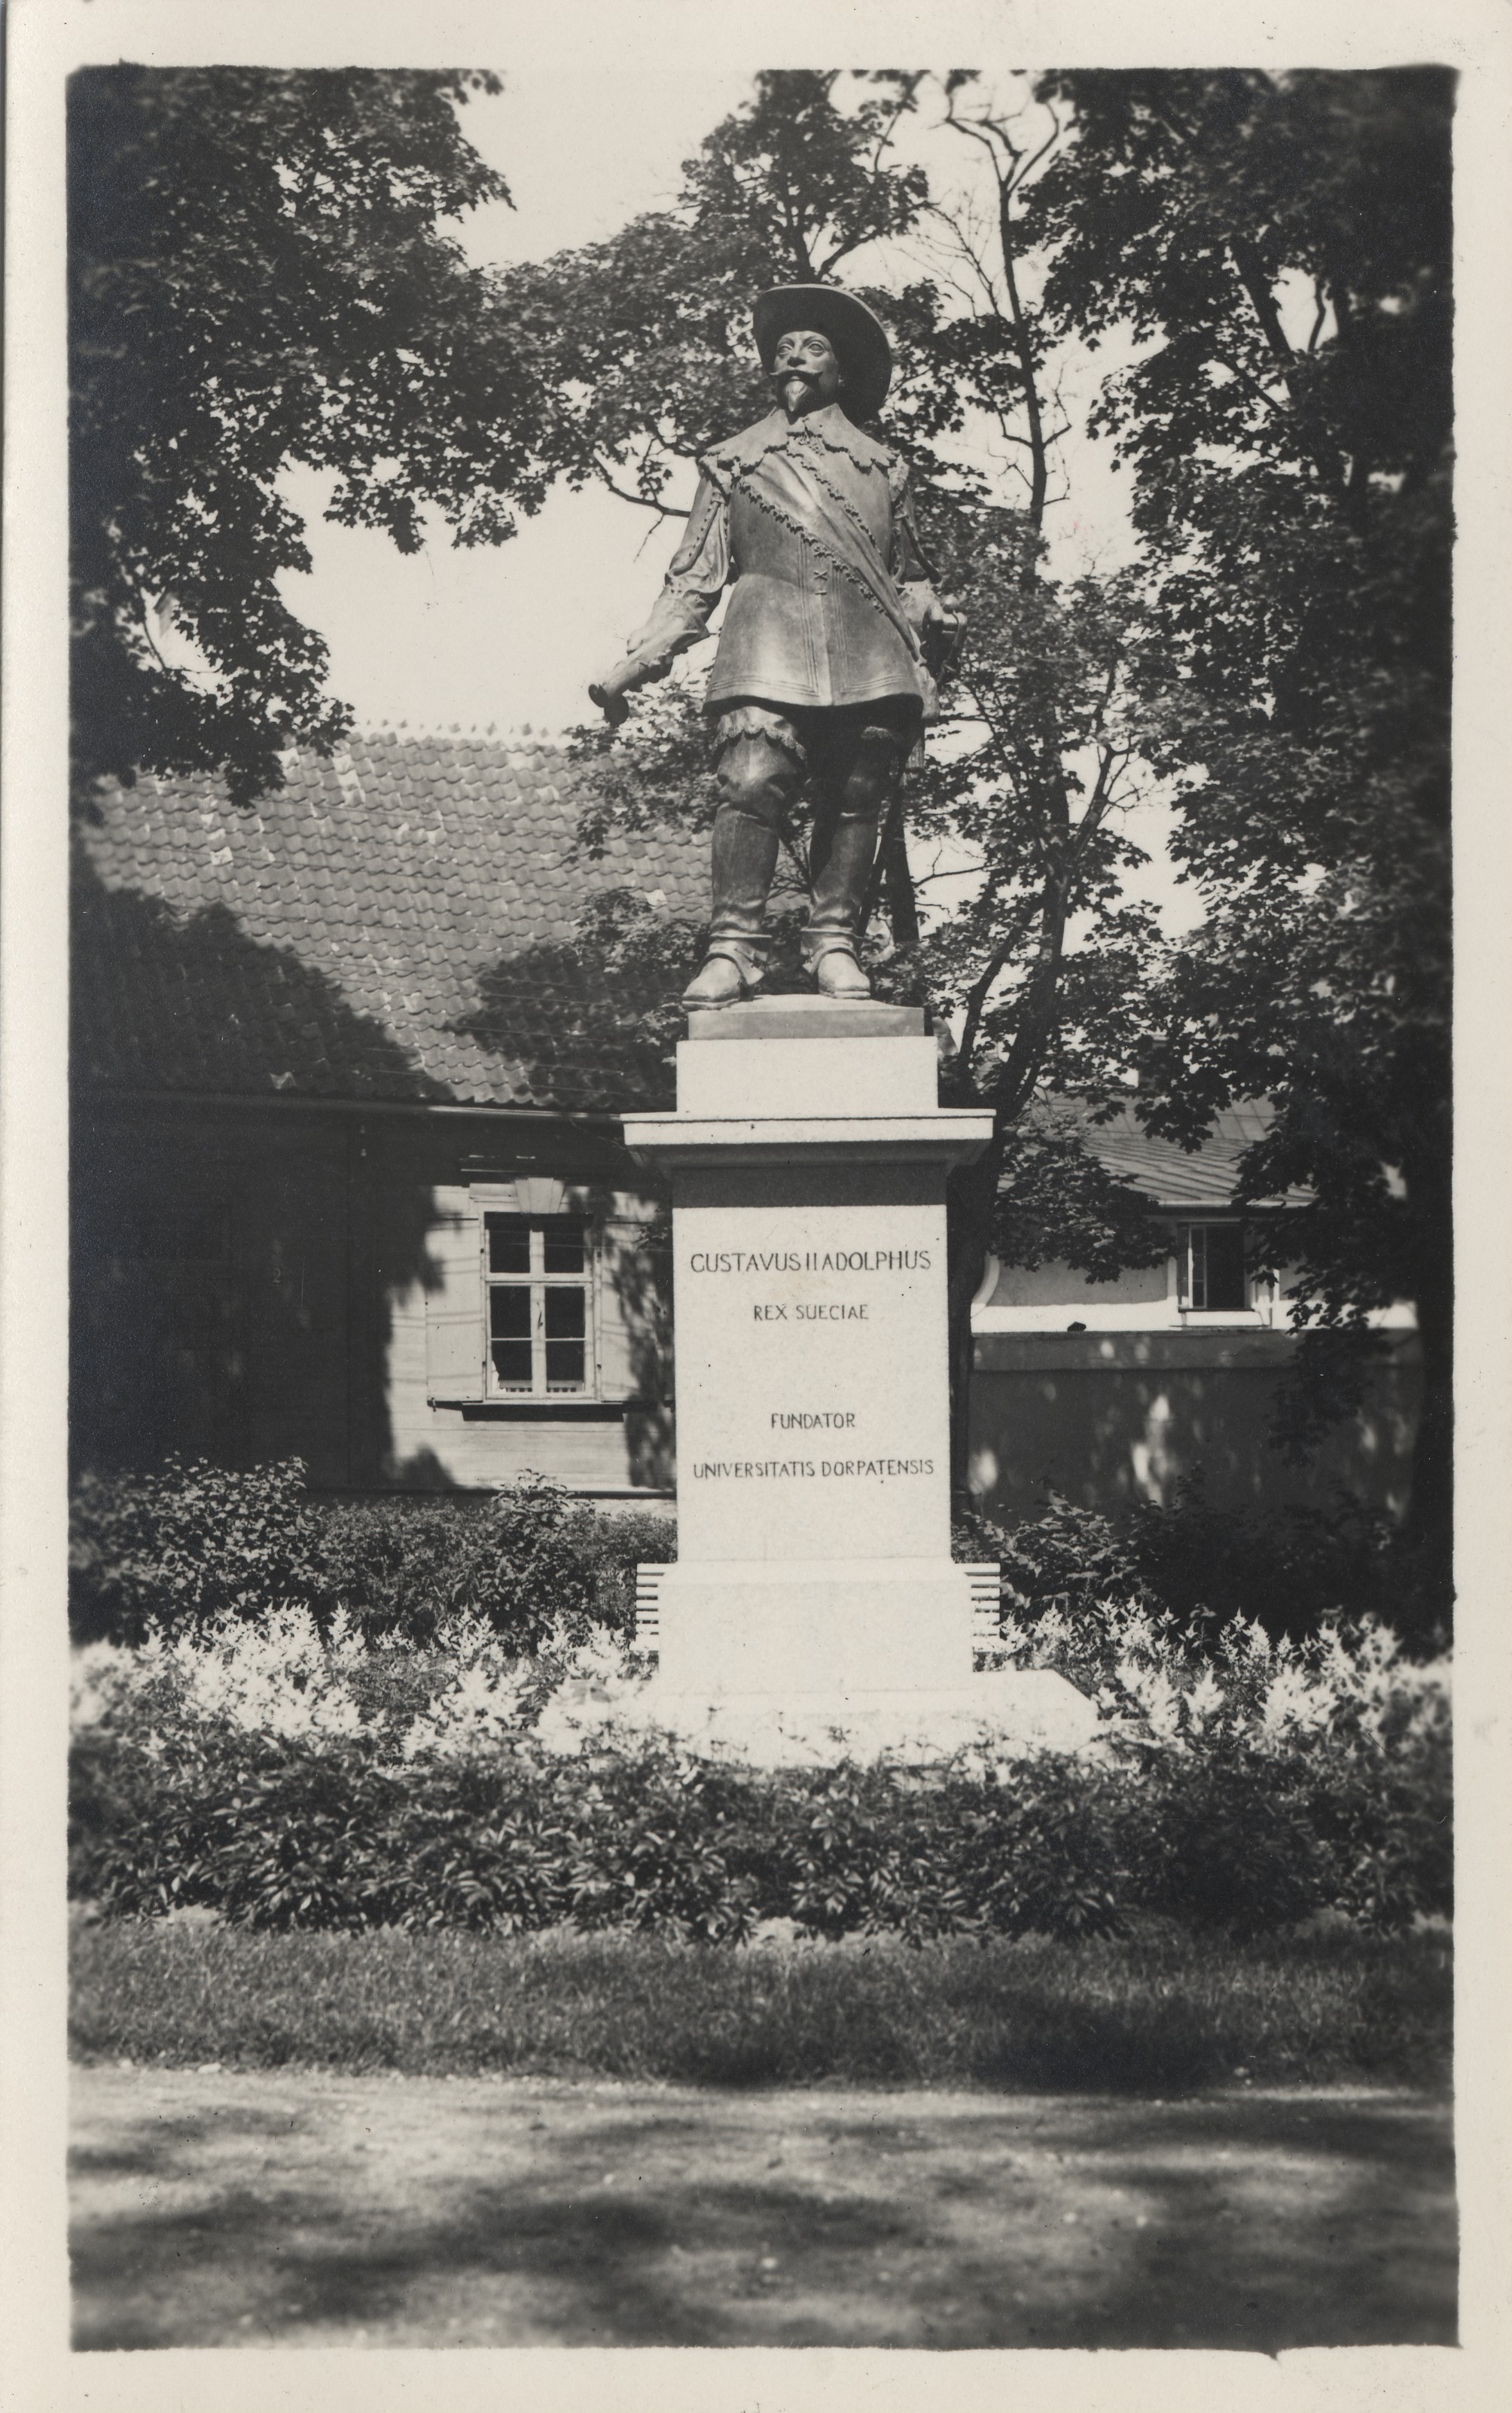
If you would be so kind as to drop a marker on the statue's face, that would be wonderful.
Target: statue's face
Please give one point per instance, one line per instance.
(805, 371)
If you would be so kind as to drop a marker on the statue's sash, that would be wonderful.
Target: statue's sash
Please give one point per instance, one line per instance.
(796, 492)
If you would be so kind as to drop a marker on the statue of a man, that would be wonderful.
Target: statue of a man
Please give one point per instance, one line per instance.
(821, 673)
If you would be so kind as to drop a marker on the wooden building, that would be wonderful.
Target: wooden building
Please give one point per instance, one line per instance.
(350, 1186)
(350, 1183)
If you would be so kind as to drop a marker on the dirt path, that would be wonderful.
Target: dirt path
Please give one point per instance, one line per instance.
(294, 2209)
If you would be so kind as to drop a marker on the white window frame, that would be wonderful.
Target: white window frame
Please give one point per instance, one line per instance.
(1084, 1313)
(537, 1283)
(1190, 1280)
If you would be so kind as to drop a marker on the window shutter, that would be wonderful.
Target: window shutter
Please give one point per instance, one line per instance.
(454, 1308)
(634, 1296)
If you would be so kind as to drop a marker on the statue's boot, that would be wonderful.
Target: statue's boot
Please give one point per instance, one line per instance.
(745, 859)
(832, 929)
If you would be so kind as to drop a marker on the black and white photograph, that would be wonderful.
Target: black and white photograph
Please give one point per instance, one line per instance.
(757, 1522)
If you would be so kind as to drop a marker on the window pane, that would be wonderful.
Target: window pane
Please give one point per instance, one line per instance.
(1225, 1268)
(511, 1365)
(509, 1313)
(563, 1244)
(565, 1365)
(564, 1315)
(509, 1244)
(508, 1327)
(566, 1328)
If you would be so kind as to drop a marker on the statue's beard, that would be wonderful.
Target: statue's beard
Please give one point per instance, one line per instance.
(796, 391)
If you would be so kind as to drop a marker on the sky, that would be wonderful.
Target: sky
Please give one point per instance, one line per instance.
(508, 637)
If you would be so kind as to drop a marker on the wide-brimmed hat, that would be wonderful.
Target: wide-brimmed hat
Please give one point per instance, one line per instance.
(860, 340)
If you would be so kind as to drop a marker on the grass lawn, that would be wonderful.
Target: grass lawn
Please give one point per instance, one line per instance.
(296, 2208)
(1164, 2010)
(444, 2139)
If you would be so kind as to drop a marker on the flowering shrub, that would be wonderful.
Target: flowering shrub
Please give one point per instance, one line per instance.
(1156, 1684)
(287, 1677)
(1276, 1776)
(289, 1773)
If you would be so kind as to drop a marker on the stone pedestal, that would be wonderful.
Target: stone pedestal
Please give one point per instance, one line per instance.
(814, 1590)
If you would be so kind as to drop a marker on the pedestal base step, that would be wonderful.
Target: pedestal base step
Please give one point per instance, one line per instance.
(1012, 1712)
(790, 1629)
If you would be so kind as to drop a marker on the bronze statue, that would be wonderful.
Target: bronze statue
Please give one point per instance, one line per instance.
(821, 671)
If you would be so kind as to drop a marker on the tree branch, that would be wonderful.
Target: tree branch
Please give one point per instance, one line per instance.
(1245, 254)
(646, 502)
(1251, 385)
(1026, 1057)
(977, 995)
(1039, 480)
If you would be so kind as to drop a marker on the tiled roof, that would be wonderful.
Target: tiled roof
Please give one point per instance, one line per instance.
(394, 923)
(1171, 1176)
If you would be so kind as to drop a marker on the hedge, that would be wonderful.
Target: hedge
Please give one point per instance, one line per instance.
(280, 1832)
(189, 1541)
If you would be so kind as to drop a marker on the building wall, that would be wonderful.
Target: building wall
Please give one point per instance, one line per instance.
(209, 1299)
(253, 1281)
(1109, 1419)
(1070, 1292)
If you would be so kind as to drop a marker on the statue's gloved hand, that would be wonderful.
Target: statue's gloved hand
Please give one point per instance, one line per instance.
(644, 660)
(648, 655)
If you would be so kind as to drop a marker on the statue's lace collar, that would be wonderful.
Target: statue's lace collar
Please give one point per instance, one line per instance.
(776, 432)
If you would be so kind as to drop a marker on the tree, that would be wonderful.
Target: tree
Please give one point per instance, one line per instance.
(1282, 247)
(259, 276)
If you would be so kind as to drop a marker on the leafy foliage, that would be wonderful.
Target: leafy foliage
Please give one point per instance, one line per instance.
(1288, 1572)
(259, 277)
(1274, 1775)
(187, 1542)
(645, 339)
(181, 1547)
(518, 1564)
(1291, 1572)
(1060, 1205)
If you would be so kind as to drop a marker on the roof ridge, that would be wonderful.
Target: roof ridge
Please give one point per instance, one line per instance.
(536, 740)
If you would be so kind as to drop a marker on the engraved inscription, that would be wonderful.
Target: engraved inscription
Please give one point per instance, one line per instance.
(809, 1261)
(755, 1469)
(828, 1311)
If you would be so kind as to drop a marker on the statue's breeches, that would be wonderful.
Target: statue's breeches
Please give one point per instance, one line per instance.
(851, 757)
(851, 760)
